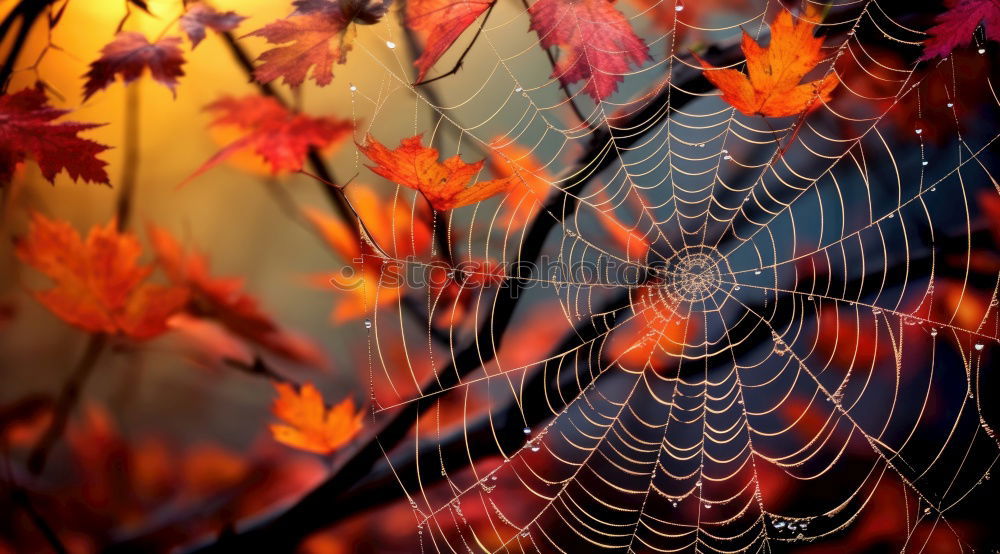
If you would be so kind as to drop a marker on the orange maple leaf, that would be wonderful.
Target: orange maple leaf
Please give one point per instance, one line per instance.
(771, 85)
(310, 426)
(361, 287)
(416, 166)
(99, 286)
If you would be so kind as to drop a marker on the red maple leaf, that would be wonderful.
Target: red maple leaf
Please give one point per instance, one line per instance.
(128, 55)
(954, 27)
(280, 136)
(200, 15)
(224, 299)
(599, 46)
(443, 21)
(307, 38)
(26, 129)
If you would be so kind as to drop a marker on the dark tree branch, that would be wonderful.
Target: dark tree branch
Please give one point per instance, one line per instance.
(282, 530)
(68, 398)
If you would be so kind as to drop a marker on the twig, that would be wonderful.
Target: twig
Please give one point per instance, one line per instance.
(68, 398)
(29, 10)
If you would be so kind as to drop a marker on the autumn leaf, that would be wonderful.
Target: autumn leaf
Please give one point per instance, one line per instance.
(305, 38)
(442, 21)
(99, 285)
(956, 26)
(392, 226)
(308, 425)
(415, 166)
(27, 130)
(532, 181)
(224, 300)
(280, 136)
(598, 43)
(128, 55)
(773, 88)
(200, 16)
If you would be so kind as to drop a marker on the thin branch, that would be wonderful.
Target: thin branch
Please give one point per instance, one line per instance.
(461, 58)
(68, 398)
(130, 162)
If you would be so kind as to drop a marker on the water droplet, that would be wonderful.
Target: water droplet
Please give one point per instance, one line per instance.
(708, 506)
(727, 157)
(524, 534)
(535, 448)
(876, 311)
(390, 44)
(493, 477)
(526, 430)
(981, 50)
(674, 503)
(918, 130)
(368, 324)
(779, 524)
(756, 272)
(950, 104)
(924, 163)
(570, 233)
(698, 484)
(927, 510)
(800, 536)
(979, 346)
(737, 287)
(519, 89)
(809, 298)
(679, 8)
(353, 88)
(934, 332)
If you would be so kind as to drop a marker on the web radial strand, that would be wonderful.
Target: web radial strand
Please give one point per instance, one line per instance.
(720, 309)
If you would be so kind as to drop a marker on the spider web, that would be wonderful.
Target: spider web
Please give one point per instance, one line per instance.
(720, 306)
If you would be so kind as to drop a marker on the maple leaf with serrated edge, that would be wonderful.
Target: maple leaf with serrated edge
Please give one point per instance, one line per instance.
(308, 425)
(99, 285)
(307, 47)
(280, 136)
(955, 27)
(597, 42)
(224, 299)
(26, 129)
(442, 21)
(771, 85)
(128, 55)
(200, 16)
(416, 166)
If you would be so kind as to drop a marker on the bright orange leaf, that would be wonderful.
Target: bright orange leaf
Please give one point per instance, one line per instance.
(771, 85)
(394, 230)
(99, 284)
(416, 166)
(308, 424)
